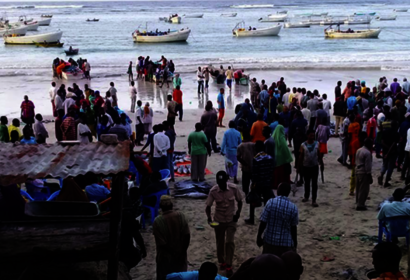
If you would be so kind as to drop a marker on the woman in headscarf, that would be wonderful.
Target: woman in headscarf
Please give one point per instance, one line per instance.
(148, 114)
(283, 158)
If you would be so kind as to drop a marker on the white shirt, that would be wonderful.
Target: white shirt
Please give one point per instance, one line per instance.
(306, 114)
(161, 144)
(133, 91)
(380, 119)
(199, 76)
(58, 102)
(110, 121)
(389, 102)
(138, 113)
(285, 99)
(67, 104)
(52, 92)
(87, 66)
(113, 92)
(407, 148)
(326, 106)
(81, 129)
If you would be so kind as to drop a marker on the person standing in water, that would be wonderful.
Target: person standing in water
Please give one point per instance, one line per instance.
(129, 72)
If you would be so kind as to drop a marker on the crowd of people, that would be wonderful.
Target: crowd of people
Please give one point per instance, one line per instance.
(259, 140)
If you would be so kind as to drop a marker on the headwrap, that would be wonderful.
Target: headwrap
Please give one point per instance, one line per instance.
(282, 152)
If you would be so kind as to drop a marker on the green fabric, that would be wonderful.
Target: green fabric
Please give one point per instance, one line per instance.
(4, 133)
(198, 141)
(282, 152)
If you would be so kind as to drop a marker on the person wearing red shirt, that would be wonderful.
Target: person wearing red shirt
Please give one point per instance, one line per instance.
(177, 96)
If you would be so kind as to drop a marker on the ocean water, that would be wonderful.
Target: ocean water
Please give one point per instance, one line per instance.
(109, 47)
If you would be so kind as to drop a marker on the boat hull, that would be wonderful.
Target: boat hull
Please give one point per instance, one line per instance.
(179, 36)
(32, 27)
(357, 22)
(386, 18)
(21, 30)
(363, 34)
(229, 15)
(401, 10)
(296, 25)
(32, 40)
(272, 31)
(194, 16)
(273, 19)
(44, 22)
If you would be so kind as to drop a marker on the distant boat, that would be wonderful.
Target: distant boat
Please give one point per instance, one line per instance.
(353, 21)
(401, 10)
(365, 14)
(229, 15)
(44, 22)
(278, 17)
(383, 18)
(296, 25)
(12, 30)
(194, 16)
(172, 36)
(71, 52)
(47, 38)
(252, 6)
(283, 12)
(46, 16)
(173, 19)
(50, 45)
(240, 31)
(93, 20)
(357, 34)
(268, 19)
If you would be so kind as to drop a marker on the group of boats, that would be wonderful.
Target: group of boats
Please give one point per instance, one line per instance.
(15, 33)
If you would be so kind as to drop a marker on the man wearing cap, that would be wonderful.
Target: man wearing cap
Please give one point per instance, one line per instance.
(224, 194)
(172, 237)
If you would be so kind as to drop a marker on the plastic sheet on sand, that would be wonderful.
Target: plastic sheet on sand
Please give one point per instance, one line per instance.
(190, 189)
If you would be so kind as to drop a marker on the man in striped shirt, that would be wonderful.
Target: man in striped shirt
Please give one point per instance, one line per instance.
(278, 224)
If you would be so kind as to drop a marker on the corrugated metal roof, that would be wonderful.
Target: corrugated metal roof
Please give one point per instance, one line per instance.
(22, 162)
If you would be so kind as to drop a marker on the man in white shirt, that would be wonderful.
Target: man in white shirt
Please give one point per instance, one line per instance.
(83, 131)
(53, 92)
(68, 102)
(285, 98)
(87, 68)
(406, 86)
(161, 146)
(113, 92)
(389, 100)
(327, 105)
(200, 78)
(306, 114)
(133, 96)
(139, 125)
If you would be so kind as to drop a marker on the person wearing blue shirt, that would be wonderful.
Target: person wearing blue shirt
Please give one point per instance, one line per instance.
(27, 136)
(207, 271)
(264, 97)
(230, 143)
(351, 102)
(221, 107)
(96, 192)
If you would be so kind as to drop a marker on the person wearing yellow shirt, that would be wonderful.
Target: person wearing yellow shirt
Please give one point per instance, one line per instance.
(15, 125)
(229, 74)
(292, 95)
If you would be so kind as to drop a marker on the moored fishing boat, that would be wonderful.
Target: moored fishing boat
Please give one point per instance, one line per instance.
(17, 30)
(352, 34)
(296, 25)
(47, 38)
(401, 10)
(365, 14)
(268, 19)
(260, 6)
(278, 17)
(50, 45)
(46, 16)
(241, 31)
(31, 26)
(173, 19)
(44, 22)
(166, 37)
(355, 20)
(385, 18)
(194, 16)
(229, 15)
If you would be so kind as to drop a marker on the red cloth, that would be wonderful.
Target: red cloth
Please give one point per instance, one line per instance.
(177, 96)
(27, 109)
(98, 101)
(69, 129)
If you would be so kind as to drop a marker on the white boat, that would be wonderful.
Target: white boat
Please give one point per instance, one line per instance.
(357, 34)
(332, 21)
(278, 17)
(252, 6)
(313, 21)
(48, 38)
(73, 75)
(401, 10)
(353, 21)
(296, 25)
(25, 19)
(267, 19)
(383, 18)
(44, 22)
(173, 36)
(240, 31)
(229, 15)
(283, 12)
(173, 19)
(320, 14)
(194, 16)
(17, 30)
(31, 26)
(46, 16)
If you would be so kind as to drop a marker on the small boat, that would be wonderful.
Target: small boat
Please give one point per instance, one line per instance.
(282, 12)
(71, 51)
(401, 10)
(12, 30)
(356, 34)
(365, 14)
(313, 21)
(72, 73)
(268, 19)
(93, 20)
(50, 45)
(194, 16)
(385, 18)
(229, 15)
(278, 17)
(46, 16)
(47, 38)
(25, 19)
(44, 22)
(168, 37)
(355, 21)
(319, 14)
(240, 31)
(173, 19)
(252, 6)
(331, 21)
(31, 26)
(296, 25)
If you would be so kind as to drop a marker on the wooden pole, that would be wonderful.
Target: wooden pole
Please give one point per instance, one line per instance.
(115, 225)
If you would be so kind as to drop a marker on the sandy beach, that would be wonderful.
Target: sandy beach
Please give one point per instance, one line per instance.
(335, 216)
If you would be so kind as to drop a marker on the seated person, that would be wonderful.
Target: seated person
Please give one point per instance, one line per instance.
(155, 186)
(386, 260)
(97, 192)
(28, 136)
(207, 271)
(396, 208)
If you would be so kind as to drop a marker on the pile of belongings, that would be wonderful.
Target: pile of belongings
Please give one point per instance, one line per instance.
(188, 188)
